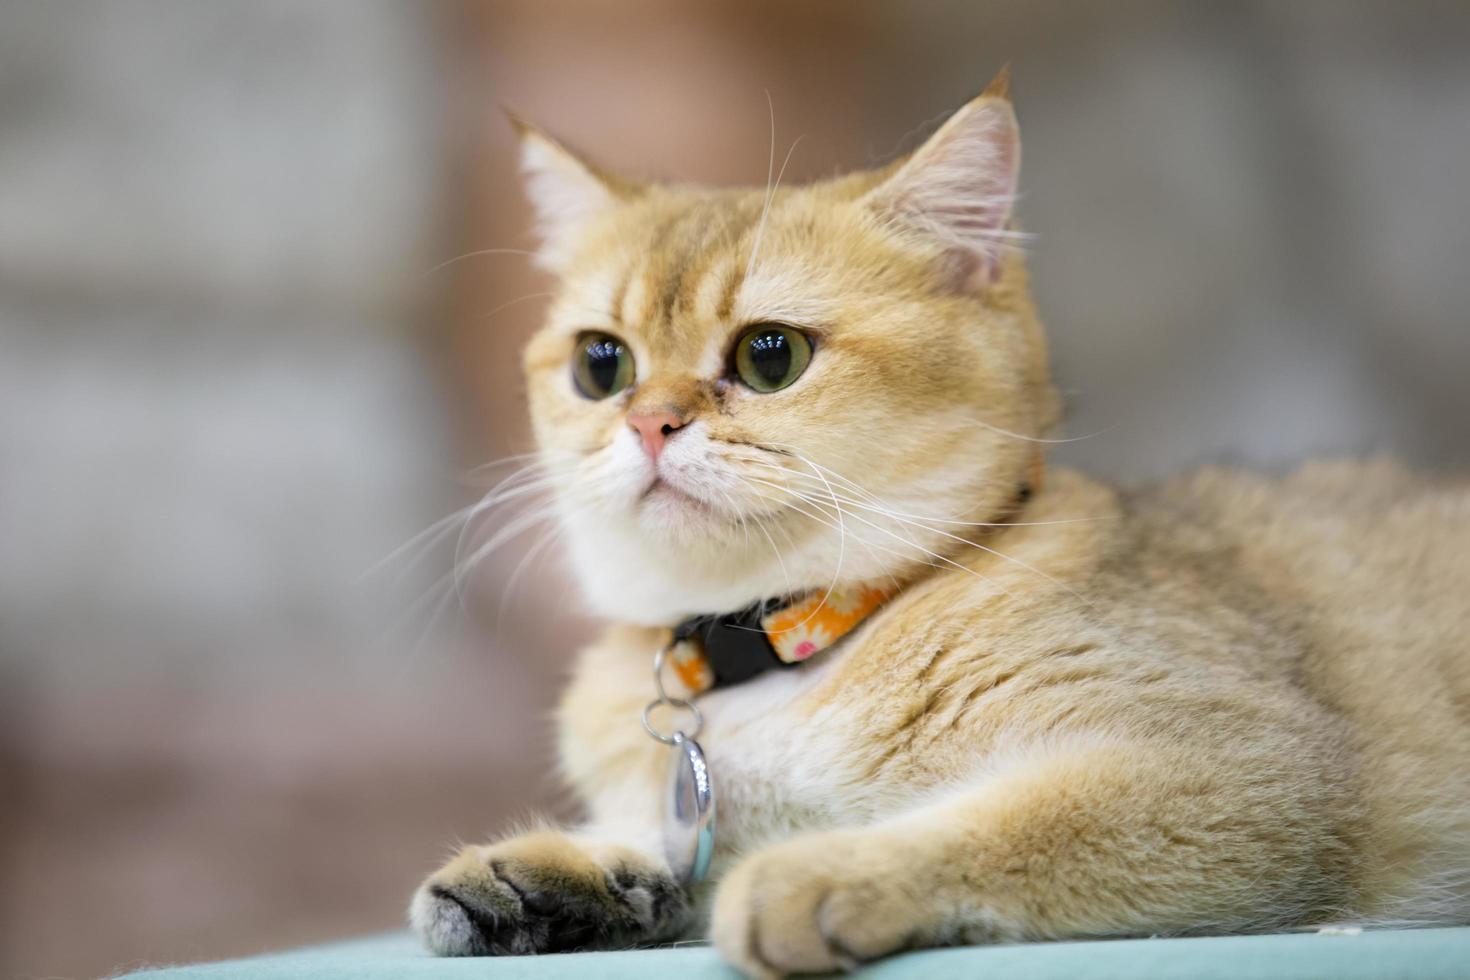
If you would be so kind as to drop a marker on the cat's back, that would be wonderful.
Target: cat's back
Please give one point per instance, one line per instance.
(1365, 563)
(1368, 556)
(1365, 559)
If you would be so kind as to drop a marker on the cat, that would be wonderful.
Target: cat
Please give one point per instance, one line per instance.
(1225, 703)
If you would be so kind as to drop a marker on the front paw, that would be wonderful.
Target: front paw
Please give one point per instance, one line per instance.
(819, 903)
(542, 893)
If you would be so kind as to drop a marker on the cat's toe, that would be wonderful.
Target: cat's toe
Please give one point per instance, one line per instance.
(476, 906)
(540, 894)
(812, 905)
(454, 923)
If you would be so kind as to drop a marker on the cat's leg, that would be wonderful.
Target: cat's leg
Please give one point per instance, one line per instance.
(548, 891)
(1114, 840)
(602, 886)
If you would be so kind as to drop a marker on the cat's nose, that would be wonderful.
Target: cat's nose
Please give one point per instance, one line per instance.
(654, 428)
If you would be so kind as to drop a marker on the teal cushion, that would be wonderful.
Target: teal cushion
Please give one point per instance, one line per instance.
(1422, 954)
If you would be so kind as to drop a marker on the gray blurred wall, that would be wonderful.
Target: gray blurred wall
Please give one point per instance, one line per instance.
(217, 410)
(1252, 219)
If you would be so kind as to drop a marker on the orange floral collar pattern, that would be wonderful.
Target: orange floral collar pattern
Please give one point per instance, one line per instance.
(795, 631)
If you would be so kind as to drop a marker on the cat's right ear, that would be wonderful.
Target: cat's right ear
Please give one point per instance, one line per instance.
(959, 187)
(566, 190)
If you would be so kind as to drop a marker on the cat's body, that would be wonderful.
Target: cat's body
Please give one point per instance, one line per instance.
(1226, 703)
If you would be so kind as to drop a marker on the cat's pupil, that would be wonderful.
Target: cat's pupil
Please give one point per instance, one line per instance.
(770, 355)
(602, 362)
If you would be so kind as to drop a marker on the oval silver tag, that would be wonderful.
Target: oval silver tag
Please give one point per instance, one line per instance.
(689, 814)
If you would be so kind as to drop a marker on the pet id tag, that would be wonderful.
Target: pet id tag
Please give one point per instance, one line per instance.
(689, 798)
(689, 814)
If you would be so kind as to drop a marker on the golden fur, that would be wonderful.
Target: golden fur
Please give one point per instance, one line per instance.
(1226, 703)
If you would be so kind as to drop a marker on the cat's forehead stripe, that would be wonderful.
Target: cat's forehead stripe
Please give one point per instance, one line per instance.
(694, 243)
(634, 293)
(620, 297)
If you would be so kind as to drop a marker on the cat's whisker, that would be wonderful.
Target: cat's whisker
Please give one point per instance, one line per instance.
(438, 612)
(476, 254)
(870, 546)
(878, 504)
(525, 481)
(936, 556)
(548, 538)
(954, 537)
(419, 544)
(959, 539)
(424, 541)
(440, 590)
(780, 561)
(535, 457)
(513, 302)
(489, 503)
(931, 559)
(823, 517)
(528, 481)
(771, 190)
(770, 180)
(507, 532)
(981, 423)
(841, 549)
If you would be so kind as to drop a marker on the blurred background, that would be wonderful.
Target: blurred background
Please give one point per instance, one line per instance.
(236, 373)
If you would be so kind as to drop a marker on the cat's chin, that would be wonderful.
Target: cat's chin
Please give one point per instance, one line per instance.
(663, 501)
(671, 556)
(666, 512)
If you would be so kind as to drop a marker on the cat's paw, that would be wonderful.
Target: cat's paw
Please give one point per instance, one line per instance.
(544, 892)
(819, 903)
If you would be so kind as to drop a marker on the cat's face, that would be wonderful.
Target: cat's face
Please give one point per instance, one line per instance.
(742, 395)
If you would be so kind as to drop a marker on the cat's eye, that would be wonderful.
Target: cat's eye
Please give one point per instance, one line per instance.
(602, 365)
(770, 356)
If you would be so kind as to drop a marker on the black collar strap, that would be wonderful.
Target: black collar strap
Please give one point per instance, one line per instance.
(716, 651)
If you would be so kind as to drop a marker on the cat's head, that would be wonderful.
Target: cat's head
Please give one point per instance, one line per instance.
(753, 392)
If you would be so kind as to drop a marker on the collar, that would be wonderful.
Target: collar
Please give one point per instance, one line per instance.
(719, 650)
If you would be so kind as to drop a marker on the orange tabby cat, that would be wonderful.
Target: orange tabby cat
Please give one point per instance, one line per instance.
(1225, 703)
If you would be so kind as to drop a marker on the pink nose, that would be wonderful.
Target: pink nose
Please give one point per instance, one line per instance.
(654, 428)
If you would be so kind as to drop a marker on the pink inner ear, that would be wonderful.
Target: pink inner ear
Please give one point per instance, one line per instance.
(959, 189)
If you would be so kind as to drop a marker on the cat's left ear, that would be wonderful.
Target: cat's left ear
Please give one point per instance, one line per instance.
(566, 190)
(959, 187)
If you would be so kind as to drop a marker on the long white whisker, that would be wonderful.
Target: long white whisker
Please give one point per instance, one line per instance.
(954, 537)
(900, 538)
(509, 303)
(503, 461)
(547, 538)
(841, 549)
(780, 561)
(510, 530)
(1025, 438)
(428, 537)
(770, 182)
(771, 188)
(476, 253)
(525, 481)
(823, 519)
(878, 504)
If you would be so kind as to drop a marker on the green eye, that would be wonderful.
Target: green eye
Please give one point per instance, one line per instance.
(768, 356)
(602, 365)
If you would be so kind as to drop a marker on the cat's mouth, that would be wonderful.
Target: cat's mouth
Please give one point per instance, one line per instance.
(660, 492)
(668, 505)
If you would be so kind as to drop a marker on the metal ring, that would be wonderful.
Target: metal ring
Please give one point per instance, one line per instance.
(659, 659)
(679, 703)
